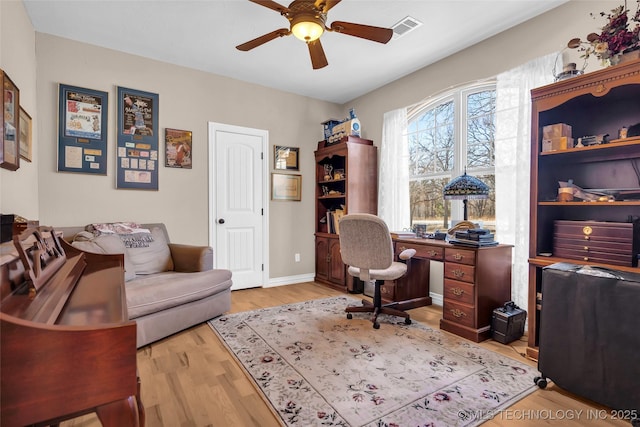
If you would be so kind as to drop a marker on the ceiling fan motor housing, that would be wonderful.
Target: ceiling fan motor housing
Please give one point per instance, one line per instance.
(307, 22)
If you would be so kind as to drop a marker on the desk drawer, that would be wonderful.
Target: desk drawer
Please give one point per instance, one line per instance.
(464, 273)
(461, 256)
(459, 313)
(458, 291)
(422, 251)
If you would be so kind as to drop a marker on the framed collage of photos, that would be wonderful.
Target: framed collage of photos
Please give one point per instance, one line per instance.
(137, 140)
(82, 130)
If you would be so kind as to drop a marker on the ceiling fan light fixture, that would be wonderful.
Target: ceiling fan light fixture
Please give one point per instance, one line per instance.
(307, 27)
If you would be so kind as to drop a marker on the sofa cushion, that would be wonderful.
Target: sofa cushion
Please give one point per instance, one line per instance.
(154, 258)
(149, 294)
(105, 244)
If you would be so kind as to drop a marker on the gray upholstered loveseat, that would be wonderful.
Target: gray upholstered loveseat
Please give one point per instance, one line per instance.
(169, 287)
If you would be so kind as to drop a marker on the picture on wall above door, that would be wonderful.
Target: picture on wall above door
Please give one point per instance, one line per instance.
(137, 140)
(177, 148)
(82, 130)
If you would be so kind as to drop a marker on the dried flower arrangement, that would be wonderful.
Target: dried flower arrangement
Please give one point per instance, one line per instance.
(615, 37)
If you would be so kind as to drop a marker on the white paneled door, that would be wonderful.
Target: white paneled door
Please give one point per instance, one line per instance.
(238, 200)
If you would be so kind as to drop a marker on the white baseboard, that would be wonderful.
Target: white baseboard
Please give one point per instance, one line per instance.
(289, 280)
(436, 299)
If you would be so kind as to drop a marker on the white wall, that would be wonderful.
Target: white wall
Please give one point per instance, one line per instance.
(19, 189)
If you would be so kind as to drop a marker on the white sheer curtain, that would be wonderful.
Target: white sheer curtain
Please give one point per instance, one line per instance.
(393, 179)
(513, 155)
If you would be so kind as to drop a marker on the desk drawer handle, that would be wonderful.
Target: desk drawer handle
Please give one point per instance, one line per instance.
(458, 273)
(432, 253)
(457, 313)
(457, 291)
(458, 257)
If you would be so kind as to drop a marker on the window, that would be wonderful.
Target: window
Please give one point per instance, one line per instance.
(446, 135)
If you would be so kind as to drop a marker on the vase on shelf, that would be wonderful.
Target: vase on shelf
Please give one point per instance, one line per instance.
(629, 56)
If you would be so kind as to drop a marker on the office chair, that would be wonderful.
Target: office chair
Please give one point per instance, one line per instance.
(367, 250)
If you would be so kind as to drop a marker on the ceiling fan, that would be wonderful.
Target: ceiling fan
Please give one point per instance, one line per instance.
(307, 20)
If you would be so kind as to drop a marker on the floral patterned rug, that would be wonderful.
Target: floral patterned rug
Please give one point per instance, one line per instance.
(316, 367)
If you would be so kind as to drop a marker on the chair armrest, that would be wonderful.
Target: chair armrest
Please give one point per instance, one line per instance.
(407, 254)
(190, 259)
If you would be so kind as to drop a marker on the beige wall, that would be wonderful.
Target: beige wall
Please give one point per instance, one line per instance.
(19, 189)
(189, 99)
(540, 36)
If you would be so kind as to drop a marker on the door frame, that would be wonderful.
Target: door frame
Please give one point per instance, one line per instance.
(213, 127)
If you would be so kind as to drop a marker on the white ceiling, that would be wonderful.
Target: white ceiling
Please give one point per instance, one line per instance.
(202, 34)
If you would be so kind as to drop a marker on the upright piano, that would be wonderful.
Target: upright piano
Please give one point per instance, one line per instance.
(67, 346)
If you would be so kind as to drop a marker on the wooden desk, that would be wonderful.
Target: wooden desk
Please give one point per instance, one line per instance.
(476, 281)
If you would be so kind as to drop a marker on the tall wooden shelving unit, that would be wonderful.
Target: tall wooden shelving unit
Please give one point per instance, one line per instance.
(355, 192)
(596, 103)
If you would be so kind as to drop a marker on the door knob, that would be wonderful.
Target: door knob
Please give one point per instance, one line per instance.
(221, 221)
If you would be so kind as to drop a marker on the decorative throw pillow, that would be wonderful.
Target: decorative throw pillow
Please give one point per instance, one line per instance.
(155, 258)
(106, 244)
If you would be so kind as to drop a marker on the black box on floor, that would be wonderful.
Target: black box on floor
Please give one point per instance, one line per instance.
(507, 323)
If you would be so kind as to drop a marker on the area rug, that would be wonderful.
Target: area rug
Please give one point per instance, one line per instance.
(316, 367)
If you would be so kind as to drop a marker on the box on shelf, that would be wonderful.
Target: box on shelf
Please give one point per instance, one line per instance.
(557, 144)
(556, 131)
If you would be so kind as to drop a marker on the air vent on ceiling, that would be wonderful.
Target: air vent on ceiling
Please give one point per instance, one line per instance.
(405, 26)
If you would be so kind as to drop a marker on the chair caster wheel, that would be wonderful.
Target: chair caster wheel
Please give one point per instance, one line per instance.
(349, 316)
(376, 325)
(540, 382)
(407, 321)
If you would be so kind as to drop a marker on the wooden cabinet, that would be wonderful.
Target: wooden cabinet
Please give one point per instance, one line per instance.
(329, 266)
(476, 281)
(597, 103)
(346, 182)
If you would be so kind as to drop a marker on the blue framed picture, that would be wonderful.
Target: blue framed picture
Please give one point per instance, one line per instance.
(137, 140)
(82, 130)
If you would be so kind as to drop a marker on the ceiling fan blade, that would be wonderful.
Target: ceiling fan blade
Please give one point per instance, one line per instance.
(325, 5)
(271, 5)
(263, 39)
(318, 59)
(376, 34)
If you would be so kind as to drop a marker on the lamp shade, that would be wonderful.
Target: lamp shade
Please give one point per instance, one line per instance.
(307, 27)
(466, 187)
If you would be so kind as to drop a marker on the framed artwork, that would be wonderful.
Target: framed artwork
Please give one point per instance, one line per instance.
(82, 130)
(25, 135)
(9, 144)
(137, 140)
(286, 157)
(286, 187)
(177, 144)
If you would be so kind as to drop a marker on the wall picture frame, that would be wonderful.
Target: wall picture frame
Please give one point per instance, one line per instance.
(10, 124)
(286, 158)
(286, 187)
(178, 148)
(137, 139)
(82, 130)
(26, 138)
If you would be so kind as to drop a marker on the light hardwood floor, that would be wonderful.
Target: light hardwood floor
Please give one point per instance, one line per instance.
(191, 380)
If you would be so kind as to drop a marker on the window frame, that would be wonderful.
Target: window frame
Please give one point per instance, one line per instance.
(459, 97)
